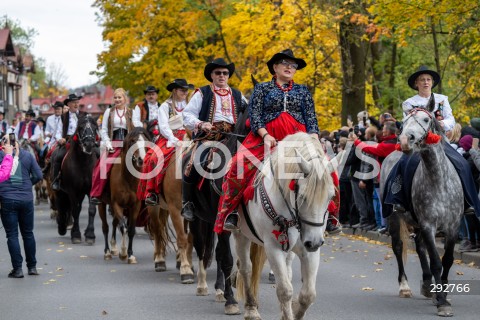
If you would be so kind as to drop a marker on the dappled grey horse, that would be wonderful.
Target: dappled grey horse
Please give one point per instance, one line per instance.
(437, 200)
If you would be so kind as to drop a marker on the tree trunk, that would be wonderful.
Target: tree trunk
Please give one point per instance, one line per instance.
(377, 73)
(391, 81)
(353, 55)
(437, 55)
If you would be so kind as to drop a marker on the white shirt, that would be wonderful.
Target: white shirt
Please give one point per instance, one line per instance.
(137, 114)
(163, 117)
(72, 123)
(440, 100)
(53, 129)
(119, 122)
(192, 111)
(35, 135)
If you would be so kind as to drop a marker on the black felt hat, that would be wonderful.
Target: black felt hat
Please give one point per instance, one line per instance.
(150, 89)
(180, 83)
(40, 119)
(58, 104)
(217, 63)
(285, 54)
(30, 113)
(71, 97)
(423, 70)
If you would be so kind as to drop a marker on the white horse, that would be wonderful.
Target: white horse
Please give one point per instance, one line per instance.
(287, 215)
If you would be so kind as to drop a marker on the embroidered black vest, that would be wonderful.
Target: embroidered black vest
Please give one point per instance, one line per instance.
(208, 108)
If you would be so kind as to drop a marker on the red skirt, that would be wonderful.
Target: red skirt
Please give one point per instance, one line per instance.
(152, 162)
(99, 175)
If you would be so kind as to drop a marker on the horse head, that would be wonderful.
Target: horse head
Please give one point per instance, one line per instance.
(309, 193)
(420, 128)
(86, 134)
(135, 146)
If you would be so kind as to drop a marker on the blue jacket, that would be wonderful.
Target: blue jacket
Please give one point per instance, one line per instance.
(19, 186)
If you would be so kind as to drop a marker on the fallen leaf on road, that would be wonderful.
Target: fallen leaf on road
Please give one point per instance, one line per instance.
(62, 308)
(61, 242)
(59, 275)
(83, 257)
(52, 280)
(367, 289)
(387, 257)
(362, 276)
(378, 270)
(104, 313)
(460, 273)
(113, 270)
(49, 249)
(59, 251)
(471, 264)
(378, 263)
(59, 269)
(457, 261)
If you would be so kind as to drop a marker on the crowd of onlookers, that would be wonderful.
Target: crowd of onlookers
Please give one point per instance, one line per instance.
(360, 203)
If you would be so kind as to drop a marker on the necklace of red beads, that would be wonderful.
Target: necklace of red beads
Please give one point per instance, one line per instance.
(288, 88)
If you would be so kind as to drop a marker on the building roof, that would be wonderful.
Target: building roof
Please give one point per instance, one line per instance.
(6, 44)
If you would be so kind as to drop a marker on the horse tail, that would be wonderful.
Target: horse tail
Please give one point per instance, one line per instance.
(208, 242)
(258, 258)
(405, 237)
(163, 234)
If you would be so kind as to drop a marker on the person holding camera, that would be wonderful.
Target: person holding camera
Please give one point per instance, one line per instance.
(16, 197)
(7, 164)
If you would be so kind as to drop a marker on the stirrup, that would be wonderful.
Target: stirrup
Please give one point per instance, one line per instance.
(95, 200)
(398, 208)
(231, 222)
(187, 211)
(151, 199)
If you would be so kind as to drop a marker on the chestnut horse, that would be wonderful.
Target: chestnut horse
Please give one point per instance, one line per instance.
(121, 196)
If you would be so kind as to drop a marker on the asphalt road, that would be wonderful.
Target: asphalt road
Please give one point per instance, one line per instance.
(357, 280)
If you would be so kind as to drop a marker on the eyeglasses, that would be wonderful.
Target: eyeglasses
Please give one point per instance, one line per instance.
(219, 73)
(287, 64)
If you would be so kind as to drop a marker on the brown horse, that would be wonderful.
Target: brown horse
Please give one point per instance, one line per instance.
(171, 200)
(121, 195)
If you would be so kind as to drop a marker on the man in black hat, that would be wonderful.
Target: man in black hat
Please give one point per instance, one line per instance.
(28, 129)
(3, 124)
(212, 107)
(53, 127)
(147, 109)
(67, 129)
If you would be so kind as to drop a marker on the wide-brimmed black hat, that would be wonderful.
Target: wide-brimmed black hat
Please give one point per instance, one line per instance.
(180, 83)
(423, 70)
(217, 63)
(285, 54)
(40, 119)
(71, 97)
(58, 104)
(30, 113)
(150, 89)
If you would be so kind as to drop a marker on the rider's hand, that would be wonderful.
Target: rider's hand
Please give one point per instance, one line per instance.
(8, 149)
(61, 141)
(270, 141)
(362, 185)
(17, 149)
(206, 126)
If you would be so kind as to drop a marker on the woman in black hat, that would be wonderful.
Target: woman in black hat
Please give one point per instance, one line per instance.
(170, 123)
(424, 80)
(278, 108)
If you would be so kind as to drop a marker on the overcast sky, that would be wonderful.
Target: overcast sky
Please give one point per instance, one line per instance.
(68, 34)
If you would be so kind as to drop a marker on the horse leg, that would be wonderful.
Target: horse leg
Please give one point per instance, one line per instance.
(132, 221)
(244, 286)
(447, 262)
(63, 206)
(444, 308)
(158, 231)
(426, 273)
(220, 281)
(398, 232)
(113, 240)
(76, 208)
(186, 273)
(202, 287)
(37, 194)
(224, 256)
(90, 230)
(309, 268)
(102, 212)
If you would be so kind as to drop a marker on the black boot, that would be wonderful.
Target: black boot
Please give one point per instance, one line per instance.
(231, 223)
(152, 199)
(56, 183)
(188, 208)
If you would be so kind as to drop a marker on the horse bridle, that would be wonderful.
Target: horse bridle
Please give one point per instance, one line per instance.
(429, 127)
(283, 223)
(87, 134)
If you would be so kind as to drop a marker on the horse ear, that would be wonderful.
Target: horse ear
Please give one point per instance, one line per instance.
(305, 166)
(431, 103)
(254, 81)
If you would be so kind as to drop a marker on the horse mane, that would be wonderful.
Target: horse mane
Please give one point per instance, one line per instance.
(318, 179)
(133, 135)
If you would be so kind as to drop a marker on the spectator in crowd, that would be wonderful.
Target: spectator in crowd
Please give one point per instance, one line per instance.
(16, 198)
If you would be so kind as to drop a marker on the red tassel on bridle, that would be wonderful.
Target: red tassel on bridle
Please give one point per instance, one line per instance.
(75, 138)
(432, 138)
(291, 186)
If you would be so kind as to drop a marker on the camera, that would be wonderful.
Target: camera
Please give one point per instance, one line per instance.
(356, 129)
(11, 137)
(386, 116)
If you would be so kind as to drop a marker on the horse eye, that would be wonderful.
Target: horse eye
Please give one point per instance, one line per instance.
(425, 120)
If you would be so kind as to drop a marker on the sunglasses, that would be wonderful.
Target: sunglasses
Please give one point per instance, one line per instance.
(289, 64)
(219, 73)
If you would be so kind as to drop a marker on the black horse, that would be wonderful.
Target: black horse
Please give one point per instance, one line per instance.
(206, 204)
(76, 183)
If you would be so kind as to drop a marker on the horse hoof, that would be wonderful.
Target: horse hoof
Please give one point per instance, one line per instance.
(160, 266)
(76, 240)
(187, 278)
(252, 314)
(219, 297)
(426, 292)
(445, 311)
(178, 265)
(107, 256)
(114, 252)
(271, 277)
(62, 231)
(53, 215)
(123, 257)
(132, 260)
(90, 241)
(202, 291)
(69, 227)
(404, 293)
(232, 309)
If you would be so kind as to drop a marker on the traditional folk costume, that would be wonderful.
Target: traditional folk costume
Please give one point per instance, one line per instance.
(170, 124)
(219, 106)
(116, 124)
(28, 130)
(281, 110)
(144, 111)
(400, 179)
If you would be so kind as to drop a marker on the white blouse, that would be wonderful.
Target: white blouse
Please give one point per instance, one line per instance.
(119, 122)
(163, 117)
(440, 100)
